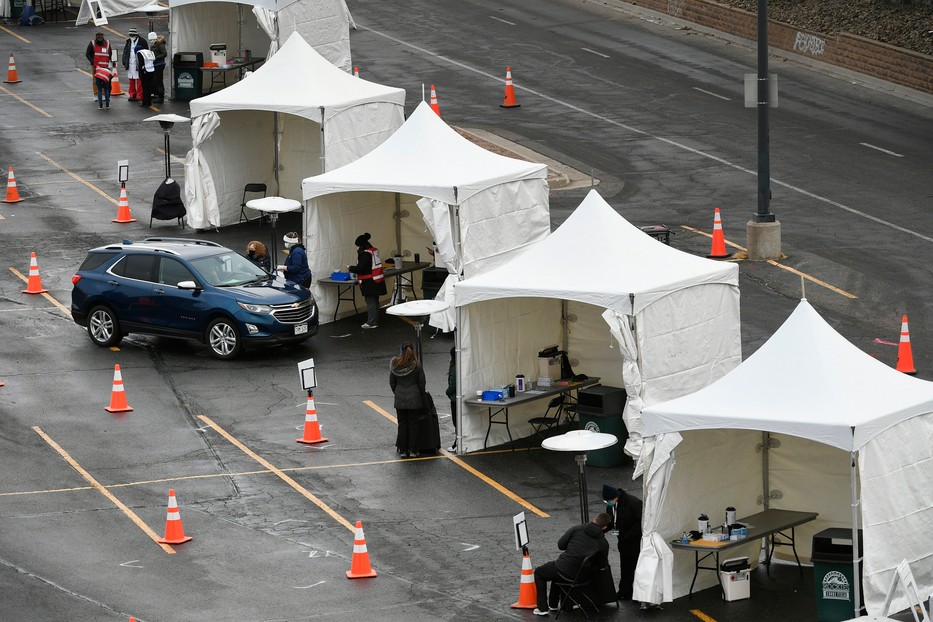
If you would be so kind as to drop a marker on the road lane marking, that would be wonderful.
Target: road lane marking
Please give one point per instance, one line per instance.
(702, 615)
(103, 490)
(13, 34)
(647, 134)
(45, 295)
(696, 88)
(896, 155)
(23, 101)
(499, 19)
(180, 478)
(812, 279)
(466, 467)
(78, 178)
(595, 52)
(279, 473)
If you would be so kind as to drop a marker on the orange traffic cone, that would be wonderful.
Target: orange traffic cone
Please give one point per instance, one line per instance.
(527, 592)
(312, 430)
(118, 395)
(434, 105)
(11, 77)
(123, 208)
(174, 532)
(718, 250)
(509, 101)
(115, 82)
(12, 192)
(359, 565)
(905, 355)
(356, 71)
(34, 283)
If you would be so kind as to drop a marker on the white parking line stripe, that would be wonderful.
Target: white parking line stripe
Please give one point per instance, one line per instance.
(696, 88)
(595, 52)
(896, 155)
(499, 19)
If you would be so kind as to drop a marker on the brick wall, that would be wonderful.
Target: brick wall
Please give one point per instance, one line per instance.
(852, 52)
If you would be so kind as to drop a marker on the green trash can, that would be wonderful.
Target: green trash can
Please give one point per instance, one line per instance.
(832, 574)
(16, 8)
(607, 424)
(186, 75)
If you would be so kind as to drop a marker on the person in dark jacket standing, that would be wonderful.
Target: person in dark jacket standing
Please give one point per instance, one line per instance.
(368, 270)
(577, 543)
(452, 393)
(98, 54)
(157, 45)
(406, 377)
(625, 510)
(296, 267)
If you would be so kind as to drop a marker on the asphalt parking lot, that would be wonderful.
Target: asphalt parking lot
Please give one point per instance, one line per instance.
(83, 492)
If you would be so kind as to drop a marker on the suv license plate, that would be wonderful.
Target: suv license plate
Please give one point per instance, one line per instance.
(301, 329)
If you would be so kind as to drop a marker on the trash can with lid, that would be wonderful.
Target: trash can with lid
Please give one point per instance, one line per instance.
(186, 75)
(600, 410)
(16, 8)
(734, 574)
(832, 574)
(431, 281)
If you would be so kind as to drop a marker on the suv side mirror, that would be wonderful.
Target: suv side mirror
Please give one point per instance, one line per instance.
(188, 285)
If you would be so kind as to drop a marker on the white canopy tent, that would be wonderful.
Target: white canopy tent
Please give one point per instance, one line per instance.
(817, 406)
(262, 26)
(297, 113)
(477, 206)
(98, 11)
(674, 316)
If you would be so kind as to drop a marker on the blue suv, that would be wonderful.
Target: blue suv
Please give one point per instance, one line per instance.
(193, 289)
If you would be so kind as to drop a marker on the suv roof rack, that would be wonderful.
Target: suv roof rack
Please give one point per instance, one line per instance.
(183, 240)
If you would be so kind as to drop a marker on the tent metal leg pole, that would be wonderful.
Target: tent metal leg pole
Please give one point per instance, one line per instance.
(398, 223)
(275, 154)
(457, 332)
(565, 339)
(856, 560)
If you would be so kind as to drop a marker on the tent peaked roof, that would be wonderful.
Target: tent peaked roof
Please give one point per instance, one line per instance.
(272, 5)
(807, 380)
(424, 157)
(297, 80)
(596, 256)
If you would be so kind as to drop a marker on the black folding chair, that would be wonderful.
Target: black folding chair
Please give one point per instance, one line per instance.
(542, 424)
(575, 591)
(251, 189)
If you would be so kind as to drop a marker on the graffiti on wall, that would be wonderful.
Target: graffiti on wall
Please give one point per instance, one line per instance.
(809, 44)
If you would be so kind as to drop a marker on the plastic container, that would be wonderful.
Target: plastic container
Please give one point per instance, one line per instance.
(832, 574)
(186, 75)
(736, 583)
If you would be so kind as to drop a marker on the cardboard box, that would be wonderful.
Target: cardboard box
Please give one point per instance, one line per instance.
(549, 367)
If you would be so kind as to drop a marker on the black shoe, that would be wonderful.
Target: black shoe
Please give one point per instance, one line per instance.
(100, 106)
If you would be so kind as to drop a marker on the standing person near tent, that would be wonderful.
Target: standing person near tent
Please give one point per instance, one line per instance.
(145, 60)
(406, 378)
(368, 270)
(452, 393)
(157, 45)
(295, 268)
(98, 54)
(259, 255)
(625, 511)
(577, 543)
(102, 78)
(130, 62)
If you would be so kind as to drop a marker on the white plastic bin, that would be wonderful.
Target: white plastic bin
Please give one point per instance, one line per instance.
(736, 582)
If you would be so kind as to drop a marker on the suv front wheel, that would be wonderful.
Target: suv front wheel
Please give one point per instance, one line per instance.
(223, 338)
(103, 327)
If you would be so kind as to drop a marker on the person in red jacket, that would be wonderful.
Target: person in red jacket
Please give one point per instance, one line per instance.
(98, 54)
(368, 270)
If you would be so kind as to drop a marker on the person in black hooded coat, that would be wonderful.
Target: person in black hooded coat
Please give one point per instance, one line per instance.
(406, 378)
(625, 510)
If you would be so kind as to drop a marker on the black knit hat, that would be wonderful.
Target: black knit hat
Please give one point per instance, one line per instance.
(610, 492)
(362, 240)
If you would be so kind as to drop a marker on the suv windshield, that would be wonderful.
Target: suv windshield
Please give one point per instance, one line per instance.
(228, 270)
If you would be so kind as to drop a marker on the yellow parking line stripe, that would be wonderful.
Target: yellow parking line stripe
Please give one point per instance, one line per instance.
(78, 178)
(102, 490)
(279, 473)
(812, 279)
(702, 615)
(23, 101)
(13, 34)
(45, 295)
(466, 467)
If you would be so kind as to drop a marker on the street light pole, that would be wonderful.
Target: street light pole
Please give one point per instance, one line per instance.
(764, 162)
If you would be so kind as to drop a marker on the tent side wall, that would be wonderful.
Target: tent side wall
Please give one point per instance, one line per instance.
(688, 339)
(499, 339)
(354, 132)
(195, 27)
(325, 24)
(897, 476)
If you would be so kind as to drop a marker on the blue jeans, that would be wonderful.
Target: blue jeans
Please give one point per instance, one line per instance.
(103, 87)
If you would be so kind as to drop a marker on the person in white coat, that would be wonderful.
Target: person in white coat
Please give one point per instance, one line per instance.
(134, 43)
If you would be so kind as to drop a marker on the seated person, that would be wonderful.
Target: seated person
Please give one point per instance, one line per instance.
(577, 543)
